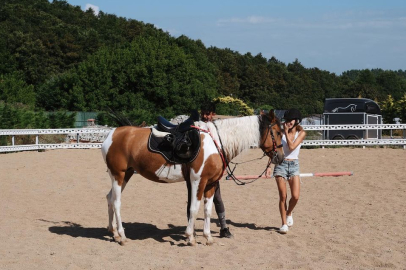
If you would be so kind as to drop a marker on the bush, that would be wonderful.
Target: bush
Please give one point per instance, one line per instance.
(19, 116)
(232, 106)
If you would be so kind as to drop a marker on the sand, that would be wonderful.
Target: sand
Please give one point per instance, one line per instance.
(54, 215)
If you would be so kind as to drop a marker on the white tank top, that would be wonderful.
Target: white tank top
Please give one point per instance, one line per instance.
(290, 154)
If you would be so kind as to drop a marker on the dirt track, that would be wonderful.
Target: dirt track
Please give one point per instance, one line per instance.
(54, 216)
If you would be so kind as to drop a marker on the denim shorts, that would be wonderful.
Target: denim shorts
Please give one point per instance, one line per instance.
(287, 169)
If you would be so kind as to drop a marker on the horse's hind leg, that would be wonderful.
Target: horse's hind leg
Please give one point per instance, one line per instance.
(112, 222)
(208, 206)
(114, 205)
(193, 210)
(110, 203)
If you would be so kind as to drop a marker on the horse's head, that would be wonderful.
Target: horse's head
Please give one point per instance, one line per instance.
(271, 137)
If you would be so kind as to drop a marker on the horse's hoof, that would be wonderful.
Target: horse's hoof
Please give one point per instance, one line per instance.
(191, 243)
(210, 241)
(123, 242)
(117, 238)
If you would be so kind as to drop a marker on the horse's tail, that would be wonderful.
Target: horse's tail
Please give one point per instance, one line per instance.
(107, 143)
(118, 118)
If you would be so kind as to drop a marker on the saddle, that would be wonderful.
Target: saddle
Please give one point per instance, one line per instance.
(176, 143)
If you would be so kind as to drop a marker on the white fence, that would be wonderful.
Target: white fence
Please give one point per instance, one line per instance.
(361, 142)
(86, 138)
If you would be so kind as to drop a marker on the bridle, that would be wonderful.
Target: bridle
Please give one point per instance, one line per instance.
(272, 154)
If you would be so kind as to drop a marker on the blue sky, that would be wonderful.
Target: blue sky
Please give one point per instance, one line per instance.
(333, 35)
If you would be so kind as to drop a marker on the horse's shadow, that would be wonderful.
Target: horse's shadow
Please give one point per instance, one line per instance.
(134, 231)
(175, 235)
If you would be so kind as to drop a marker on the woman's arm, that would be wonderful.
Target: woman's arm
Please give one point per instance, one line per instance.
(293, 144)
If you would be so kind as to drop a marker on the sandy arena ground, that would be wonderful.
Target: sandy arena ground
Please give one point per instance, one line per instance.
(54, 216)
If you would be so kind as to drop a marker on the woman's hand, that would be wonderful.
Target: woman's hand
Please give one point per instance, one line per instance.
(268, 173)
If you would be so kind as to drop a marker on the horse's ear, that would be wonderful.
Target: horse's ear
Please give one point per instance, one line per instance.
(272, 115)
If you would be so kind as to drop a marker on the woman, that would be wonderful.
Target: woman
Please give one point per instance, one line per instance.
(288, 170)
(207, 114)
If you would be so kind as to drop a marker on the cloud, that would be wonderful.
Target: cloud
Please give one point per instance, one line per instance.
(247, 20)
(95, 9)
(373, 20)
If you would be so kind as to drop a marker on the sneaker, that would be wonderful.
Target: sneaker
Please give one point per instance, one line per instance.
(289, 220)
(284, 229)
(225, 233)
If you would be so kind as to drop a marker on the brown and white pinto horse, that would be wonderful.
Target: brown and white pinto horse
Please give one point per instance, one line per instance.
(125, 151)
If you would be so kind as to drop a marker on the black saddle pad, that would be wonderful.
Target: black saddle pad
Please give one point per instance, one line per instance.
(157, 143)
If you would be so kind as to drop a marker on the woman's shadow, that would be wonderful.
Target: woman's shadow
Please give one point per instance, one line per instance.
(251, 226)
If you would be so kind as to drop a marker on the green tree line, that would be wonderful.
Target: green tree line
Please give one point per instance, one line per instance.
(56, 57)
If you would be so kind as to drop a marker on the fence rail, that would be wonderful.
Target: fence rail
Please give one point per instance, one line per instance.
(12, 132)
(95, 136)
(358, 127)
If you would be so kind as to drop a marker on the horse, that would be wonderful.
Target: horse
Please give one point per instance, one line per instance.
(125, 150)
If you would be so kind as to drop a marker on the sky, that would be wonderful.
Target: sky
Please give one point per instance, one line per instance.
(332, 35)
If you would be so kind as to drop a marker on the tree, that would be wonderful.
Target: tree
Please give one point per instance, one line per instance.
(389, 109)
(13, 89)
(401, 108)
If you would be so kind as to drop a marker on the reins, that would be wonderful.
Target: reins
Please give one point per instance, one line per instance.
(238, 181)
(231, 172)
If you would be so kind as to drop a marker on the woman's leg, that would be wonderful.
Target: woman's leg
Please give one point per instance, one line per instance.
(221, 213)
(219, 206)
(294, 183)
(189, 197)
(218, 201)
(280, 181)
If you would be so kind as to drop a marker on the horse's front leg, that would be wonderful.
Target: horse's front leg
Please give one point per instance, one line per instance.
(208, 207)
(193, 210)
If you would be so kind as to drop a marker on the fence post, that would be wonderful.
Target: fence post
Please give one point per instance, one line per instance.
(37, 141)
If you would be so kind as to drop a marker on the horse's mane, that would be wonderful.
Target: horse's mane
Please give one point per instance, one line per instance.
(238, 134)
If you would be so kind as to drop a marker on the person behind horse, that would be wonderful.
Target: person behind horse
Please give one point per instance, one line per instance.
(288, 170)
(207, 113)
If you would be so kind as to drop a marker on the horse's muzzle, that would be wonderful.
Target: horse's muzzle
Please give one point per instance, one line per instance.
(277, 157)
